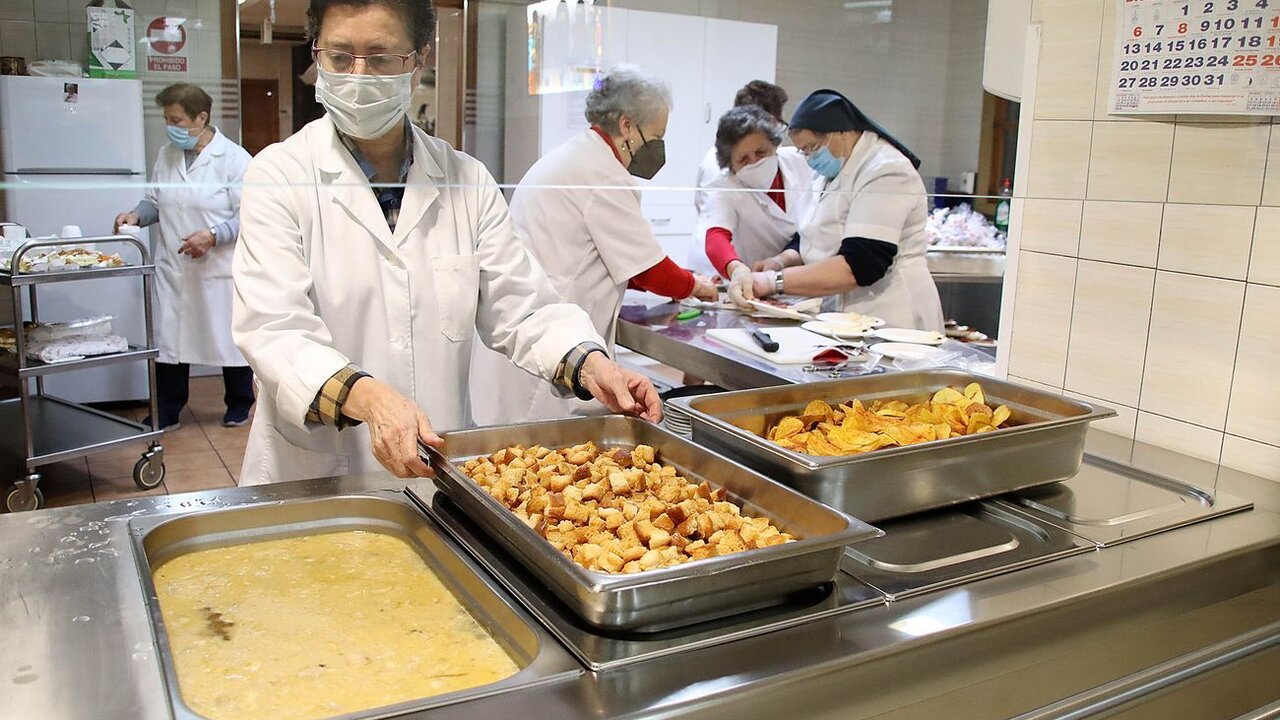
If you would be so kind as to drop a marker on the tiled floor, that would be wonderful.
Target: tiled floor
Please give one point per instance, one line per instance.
(202, 455)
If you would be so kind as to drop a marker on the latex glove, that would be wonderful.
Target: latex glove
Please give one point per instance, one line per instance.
(773, 263)
(129, 218)
(764, 284)
(741, 291)
(620, 390)
(704, 288)
(197, 244)
(395, 425)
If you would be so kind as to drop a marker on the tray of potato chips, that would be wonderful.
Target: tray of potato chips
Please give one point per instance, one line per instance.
(884, 446)
(636, 528)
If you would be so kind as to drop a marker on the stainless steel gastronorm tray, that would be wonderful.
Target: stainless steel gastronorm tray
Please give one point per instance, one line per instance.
(1044, 445)
(158, 539)
(664, 598)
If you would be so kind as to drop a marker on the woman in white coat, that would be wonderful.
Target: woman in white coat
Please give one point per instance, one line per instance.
(578, 210)
(754, 209)
(865, 240)
(195, 199)
(372, 257)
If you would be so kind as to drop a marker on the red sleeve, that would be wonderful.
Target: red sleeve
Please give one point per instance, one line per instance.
(720, 250)
(665, 278)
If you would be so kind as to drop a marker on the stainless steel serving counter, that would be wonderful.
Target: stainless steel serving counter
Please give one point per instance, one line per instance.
(1184, 623)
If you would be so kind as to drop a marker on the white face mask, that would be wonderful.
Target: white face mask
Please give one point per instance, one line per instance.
(759, 175)
(364, 106)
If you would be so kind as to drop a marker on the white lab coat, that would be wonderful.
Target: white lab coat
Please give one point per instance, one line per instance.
(591, 240)
(878, 195)
(321, 282)
(193, 296)
(760, 228)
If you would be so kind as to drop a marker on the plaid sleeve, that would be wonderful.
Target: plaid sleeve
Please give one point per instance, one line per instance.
(326, 409)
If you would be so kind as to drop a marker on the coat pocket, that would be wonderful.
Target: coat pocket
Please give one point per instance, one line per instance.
(457, 286)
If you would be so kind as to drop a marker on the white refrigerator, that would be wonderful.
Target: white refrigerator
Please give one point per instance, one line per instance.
(72, 153)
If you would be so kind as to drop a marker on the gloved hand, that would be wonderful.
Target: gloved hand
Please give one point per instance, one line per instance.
(771, 263)
(764, 284)
(740, 289)
(704, 289)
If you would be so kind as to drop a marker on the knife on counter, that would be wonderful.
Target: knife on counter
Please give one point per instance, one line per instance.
(765, 342)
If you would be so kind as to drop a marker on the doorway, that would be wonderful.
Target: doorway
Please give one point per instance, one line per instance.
(260, 110)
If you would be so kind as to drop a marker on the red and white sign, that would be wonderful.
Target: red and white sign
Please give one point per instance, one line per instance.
(167, 44)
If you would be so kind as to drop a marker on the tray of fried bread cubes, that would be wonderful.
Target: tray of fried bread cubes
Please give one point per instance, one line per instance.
(637, 529)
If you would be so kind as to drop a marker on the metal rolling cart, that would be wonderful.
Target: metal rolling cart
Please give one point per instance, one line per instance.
(39, 429)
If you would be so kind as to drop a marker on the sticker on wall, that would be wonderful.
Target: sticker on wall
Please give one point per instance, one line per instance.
(167, 44)
(1196, 56)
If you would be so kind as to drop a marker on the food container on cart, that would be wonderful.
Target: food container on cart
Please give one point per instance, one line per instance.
(1043, 443)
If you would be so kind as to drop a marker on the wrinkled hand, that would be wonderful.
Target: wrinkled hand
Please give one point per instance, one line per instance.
(740, 290)
(773, 263)
(395, 427)
(197, 244)
(620, 390)
(129, 218)
(704, 289)
(764, 284)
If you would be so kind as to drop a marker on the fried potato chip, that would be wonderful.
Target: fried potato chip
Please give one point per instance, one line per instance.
(1000, 416)
(787, 427)
(819, 445)
(950, 396)
(818, 408)
(973, 391)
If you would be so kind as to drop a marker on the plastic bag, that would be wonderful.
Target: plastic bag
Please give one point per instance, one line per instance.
(951, 354)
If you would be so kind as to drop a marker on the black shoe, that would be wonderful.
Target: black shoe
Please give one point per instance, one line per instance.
(235, 418)
(166, 428)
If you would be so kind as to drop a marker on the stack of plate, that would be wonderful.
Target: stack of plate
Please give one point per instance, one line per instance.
(676, 419)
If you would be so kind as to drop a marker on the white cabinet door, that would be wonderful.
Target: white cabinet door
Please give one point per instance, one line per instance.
(734, 54)
(670, 47)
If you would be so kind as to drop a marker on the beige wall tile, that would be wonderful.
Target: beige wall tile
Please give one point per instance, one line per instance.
(1264, 261)
(1251, 457)
(1069, 42)
(1218, 164)
(1059, 166)
(1042, 317)
(1051, 226)
(1254, 412)
(1271, 189)
(1188, 439)
(1122, 424)
(1191, 348)
(1109, 331)
(1207, 239)
(1130, 161)
(1121, 232)
(1037, 385)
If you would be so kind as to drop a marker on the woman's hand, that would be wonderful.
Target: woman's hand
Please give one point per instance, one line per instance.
(129, 218)
(764, 284)
(773, 263)
(704, 289)
(395, 427)
(197, 244)
(620, 390)
(741, 291)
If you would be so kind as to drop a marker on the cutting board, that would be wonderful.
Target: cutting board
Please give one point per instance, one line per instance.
(796, 346)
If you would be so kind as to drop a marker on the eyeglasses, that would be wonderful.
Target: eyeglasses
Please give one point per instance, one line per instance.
(818, 143)
(339, 61)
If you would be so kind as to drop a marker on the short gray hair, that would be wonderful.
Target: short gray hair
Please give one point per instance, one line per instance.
(626, 90)
(740, 122)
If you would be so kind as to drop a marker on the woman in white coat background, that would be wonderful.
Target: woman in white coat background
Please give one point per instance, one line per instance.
(865, 241)
(372, 257)
(195, 200)
(578, 209)
(754, 209)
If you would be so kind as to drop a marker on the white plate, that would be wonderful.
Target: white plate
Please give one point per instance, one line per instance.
(851, 318)
(839, 332)
(908, 335)
(763, 308)
(906, 350)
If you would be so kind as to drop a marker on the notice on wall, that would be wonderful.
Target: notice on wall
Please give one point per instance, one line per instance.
(167, 46)
(1220, 57)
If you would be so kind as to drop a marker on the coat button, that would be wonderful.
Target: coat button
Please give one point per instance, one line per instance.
(400, 341)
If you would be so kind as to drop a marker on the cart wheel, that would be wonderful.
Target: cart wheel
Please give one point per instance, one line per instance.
(148, 472)
(16, 503)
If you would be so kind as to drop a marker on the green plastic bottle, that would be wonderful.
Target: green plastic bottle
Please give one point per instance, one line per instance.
(1002, 207)
(113, 50)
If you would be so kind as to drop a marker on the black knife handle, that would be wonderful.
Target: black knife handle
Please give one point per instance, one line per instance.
(765, 342)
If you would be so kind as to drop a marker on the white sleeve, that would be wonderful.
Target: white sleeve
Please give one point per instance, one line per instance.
(519, 313)
(621, 234)
(720, 211)
(881, 205)
(273, 320)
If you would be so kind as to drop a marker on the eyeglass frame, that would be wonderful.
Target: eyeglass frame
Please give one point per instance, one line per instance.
(404, 58)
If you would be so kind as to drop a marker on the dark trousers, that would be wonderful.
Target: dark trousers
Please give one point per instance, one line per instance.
(173, 385)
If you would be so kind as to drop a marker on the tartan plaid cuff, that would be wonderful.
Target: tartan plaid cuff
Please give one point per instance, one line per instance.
(326, 409)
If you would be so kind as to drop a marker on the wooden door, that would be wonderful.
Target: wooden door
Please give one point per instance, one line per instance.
(260, 110)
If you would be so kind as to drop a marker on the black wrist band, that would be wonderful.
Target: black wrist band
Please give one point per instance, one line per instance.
(576, 378)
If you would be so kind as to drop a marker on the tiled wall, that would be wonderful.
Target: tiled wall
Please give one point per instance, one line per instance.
(1149, 269)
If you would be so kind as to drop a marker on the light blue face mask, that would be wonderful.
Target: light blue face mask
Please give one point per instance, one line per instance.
(181, 137)
(824, 163)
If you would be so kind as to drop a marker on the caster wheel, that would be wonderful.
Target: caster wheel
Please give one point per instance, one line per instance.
(15, 502)
(148, 472)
